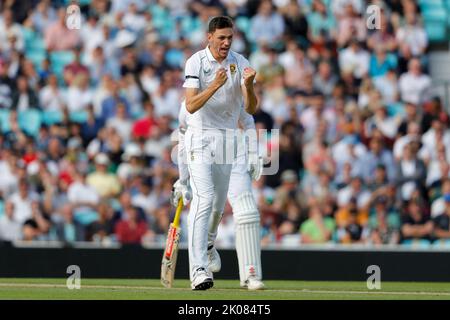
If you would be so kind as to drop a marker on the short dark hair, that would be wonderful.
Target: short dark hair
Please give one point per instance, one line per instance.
(220, 22)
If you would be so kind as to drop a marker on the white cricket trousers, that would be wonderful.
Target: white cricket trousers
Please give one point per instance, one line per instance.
(209, 158)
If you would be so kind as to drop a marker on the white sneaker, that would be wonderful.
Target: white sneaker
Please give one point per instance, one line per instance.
(254, 284)
(202, 280)
(214, 262)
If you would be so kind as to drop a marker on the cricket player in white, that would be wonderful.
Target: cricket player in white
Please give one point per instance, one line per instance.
(247, 166)
(218, 83)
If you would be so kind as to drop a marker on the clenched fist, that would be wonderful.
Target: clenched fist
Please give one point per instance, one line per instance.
(249, 76)
(221, 77)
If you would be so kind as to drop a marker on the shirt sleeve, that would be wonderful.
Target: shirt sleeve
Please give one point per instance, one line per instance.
(192, 73)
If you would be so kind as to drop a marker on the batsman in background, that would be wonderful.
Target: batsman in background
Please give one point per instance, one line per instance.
(218, 83)
(248, 166)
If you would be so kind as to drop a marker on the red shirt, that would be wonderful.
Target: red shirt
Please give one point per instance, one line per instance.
(76, 69)
(143, 128)
(29, 157)
(126, 234)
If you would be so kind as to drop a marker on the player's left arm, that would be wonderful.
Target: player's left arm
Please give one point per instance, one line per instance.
(248, 89)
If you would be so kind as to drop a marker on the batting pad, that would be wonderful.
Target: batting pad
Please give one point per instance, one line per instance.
(248, 247)
(248, 236)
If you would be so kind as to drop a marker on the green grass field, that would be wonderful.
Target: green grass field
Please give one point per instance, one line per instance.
(100, 289)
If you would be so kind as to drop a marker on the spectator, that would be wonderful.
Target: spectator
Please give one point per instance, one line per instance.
(377, 154)
(146, 198)
(109, 105)
(51, 98)
(317, 228)
(91, 127)
(267, 25)
(354, 60)
(6, 85)
(387, 85)
(10, 29)
(10, 228)
(381, 62)
(143, 128)
(22, 201)
(132, 166)
(320, 21)
(130, 230)
(442, 222)
(438, 206)
(43, 16)
(82, 196)
(58, 37)
(414, 85)
(76, 68)
(121, 122)
(350, 25)
(354, 190)
(79, 95)
(67, 229)
(412, 35)
(295, 22)
(416, 226)
(24, 98)
(38, 226)
(102, 230)
(384, 226)
(348, 217)
(411, 173)
(437, 135)
(105, 183)
(291, 218)
(324, 79)
(351, 231)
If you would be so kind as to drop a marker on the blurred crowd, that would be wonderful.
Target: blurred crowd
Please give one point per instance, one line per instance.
(89, 117)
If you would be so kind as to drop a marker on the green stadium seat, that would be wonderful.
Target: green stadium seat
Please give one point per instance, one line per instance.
(80, 2)
(79, 116)
(243, 24)
(395, 109)
(85, 217)
(435, 15)
(59, 59)
(52, 117)
(436, 32)
(36, 57)
(4, 120)
(424, 4)
(30, 121)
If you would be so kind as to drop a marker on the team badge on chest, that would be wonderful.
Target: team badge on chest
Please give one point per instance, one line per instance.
(232, 68)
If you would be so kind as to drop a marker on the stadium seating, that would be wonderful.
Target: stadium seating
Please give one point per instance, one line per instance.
(30, 121)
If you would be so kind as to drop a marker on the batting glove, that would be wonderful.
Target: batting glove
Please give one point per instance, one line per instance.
(181, 189)
(255, 166)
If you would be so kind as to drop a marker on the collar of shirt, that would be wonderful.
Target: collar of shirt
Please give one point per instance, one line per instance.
(211, 57)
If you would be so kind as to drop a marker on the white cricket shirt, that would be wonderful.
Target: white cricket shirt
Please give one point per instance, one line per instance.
(222, 110)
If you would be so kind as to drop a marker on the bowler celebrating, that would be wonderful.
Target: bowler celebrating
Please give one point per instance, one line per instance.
(218, 83)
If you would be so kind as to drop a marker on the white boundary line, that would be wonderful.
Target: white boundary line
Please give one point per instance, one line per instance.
(312, 291)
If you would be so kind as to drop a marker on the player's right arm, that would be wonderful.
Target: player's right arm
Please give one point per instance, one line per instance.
(196, 99)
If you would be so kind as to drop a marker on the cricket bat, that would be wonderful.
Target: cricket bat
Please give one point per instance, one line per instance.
(169, 260)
